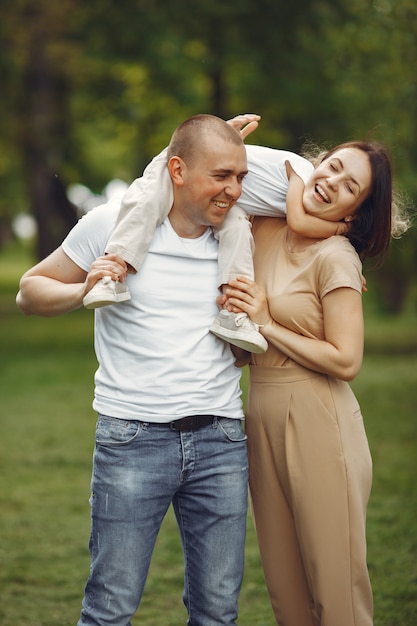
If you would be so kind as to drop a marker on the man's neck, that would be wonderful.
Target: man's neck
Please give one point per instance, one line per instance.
(184, 228)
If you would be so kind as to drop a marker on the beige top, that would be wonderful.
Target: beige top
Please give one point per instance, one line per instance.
(296, 282)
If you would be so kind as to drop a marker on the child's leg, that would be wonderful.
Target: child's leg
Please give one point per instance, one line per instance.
(236, 248)
(145, 205)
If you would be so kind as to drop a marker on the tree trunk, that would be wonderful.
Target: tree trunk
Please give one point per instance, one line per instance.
(44, 138)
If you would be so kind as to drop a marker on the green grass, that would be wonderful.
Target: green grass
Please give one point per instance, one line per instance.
(46, 438)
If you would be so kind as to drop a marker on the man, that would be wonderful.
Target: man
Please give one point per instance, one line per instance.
(166, 389)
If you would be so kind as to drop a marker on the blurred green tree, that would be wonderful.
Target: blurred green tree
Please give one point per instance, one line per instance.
(91, 91)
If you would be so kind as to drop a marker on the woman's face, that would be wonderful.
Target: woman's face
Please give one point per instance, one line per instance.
(339, 185)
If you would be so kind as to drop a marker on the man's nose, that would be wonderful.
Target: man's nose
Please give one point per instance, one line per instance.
(233, 188)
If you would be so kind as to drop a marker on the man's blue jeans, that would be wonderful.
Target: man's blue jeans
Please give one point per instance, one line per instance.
(138, 470)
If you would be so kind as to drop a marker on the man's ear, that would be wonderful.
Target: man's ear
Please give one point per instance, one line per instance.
(177, 168)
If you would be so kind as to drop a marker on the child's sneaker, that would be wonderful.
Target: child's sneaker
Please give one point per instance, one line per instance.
(106, 291)
(239, 330)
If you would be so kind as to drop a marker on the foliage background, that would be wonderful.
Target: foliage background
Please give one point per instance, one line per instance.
(91, 91)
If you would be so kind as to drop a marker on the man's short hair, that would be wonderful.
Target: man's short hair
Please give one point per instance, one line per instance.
(189, 137)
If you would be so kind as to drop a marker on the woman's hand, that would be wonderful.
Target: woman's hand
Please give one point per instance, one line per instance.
(247, 296)
(245, 124)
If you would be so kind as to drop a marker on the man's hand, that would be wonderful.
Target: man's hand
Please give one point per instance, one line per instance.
(245, 124)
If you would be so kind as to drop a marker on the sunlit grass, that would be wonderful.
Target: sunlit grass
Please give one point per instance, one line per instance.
(46, 439)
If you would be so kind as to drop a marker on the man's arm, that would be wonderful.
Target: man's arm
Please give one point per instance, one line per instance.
(57, 285)
(54, 286)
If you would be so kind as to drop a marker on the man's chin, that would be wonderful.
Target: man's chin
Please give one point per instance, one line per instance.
(216, 221)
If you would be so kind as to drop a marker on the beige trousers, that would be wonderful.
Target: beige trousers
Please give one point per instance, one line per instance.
(310, 481)
(145, 206)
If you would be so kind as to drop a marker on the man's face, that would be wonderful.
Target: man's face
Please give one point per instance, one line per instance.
(210, 186)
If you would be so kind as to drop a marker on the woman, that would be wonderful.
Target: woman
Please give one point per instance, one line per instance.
(310, 465)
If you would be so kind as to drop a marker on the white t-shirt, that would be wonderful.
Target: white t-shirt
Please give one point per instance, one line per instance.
(264, 189)
(157, 359)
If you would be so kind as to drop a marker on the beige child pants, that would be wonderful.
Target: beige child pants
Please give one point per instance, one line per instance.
(310, 481)
(145, 206)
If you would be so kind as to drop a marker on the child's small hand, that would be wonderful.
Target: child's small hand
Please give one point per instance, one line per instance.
(245, 124)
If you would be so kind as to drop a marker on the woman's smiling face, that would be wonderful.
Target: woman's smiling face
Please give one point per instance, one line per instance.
(338, 185)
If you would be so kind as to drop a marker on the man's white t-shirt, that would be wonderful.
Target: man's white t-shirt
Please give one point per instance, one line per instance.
(157, 359)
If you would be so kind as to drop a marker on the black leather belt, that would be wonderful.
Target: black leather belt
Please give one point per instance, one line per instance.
(193, 422)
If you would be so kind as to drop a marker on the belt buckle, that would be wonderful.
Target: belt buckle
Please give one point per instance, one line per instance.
(192, 422)
(183, 424)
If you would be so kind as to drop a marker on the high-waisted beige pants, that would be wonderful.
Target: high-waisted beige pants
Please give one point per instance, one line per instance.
(310, 480)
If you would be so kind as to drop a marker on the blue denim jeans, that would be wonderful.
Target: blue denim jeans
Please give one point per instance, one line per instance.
(138, 470)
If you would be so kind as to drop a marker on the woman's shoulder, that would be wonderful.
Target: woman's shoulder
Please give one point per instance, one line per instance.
(338, 243)
(338, 250)
(338, 265)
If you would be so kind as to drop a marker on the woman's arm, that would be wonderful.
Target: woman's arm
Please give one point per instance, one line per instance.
(301, 222)
(339, 354)
(57, 285)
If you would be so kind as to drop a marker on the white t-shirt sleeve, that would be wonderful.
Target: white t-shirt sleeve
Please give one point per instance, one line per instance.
(265, 187)
(87, 240)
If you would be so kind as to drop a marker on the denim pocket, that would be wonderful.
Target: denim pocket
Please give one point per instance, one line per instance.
(112, 431)
(232, 428)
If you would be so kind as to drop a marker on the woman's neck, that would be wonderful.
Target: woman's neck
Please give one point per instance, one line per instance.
(298, 243)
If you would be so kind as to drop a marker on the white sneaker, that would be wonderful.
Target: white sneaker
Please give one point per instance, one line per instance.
(106, 291)
(239, 330)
